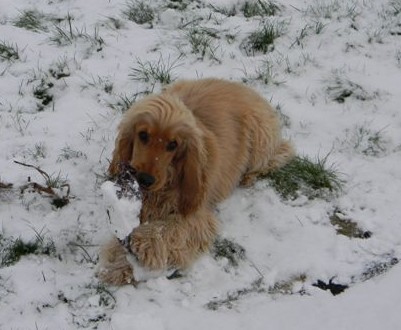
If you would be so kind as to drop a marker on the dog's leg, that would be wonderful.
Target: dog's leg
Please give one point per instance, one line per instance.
(174, 242)
(115, 268)
(281, 156)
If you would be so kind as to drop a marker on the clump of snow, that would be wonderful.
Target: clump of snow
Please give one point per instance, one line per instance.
(123, 213)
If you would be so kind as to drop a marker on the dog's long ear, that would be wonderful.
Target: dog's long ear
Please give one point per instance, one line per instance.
(192, 177)
(122, 151)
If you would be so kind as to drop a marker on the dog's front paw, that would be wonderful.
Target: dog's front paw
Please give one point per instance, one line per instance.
(115, 269)
(148, 245)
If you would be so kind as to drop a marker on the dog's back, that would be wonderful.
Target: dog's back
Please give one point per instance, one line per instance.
(245, 128)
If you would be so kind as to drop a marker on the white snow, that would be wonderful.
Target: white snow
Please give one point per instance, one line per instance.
(285, 241)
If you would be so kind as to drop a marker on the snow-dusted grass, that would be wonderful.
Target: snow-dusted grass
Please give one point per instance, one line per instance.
(303, 176)
(155, 72)
(8, 51)
(326, 224)
(139, 12)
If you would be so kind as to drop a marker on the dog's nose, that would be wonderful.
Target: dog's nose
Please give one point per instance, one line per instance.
(145, 179)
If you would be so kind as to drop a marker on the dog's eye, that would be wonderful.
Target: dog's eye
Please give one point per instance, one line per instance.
(143, 136)
(171, 146)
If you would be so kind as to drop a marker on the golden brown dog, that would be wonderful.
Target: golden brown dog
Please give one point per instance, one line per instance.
(190, 146)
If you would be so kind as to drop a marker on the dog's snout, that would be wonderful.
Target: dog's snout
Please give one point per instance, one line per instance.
(145, 180)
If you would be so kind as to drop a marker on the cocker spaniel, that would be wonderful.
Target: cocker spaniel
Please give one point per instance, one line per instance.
(189, 146)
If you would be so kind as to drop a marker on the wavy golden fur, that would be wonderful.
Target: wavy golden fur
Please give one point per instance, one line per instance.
(190, 146)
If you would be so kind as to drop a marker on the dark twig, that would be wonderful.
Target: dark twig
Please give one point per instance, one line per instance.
(43, 173)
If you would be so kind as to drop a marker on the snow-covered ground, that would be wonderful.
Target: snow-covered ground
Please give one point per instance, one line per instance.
(335, 74)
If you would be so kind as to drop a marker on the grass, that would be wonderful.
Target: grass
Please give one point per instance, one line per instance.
(315, 27)
(285, 120)
(38, 151)
(12, 250)
(103, 83)
(395, 7)
(123, 102)
(259, 8)
(390, 10)
(154, 72)
(262, 40)
(234, 297)
(378, 267)
(339, 88)
(43, 94)
(57, 181)
(30, 20)
(201, 41)
(224, 248)
(67, 153)
(333, 9)
(139, 12)
(286, 287)
(60, 69)
(114, 23)
(68, 35)
(178, 4)
(20, 123)
(376, 35)
(319, 27)
(54, 185)
(347, 227)
(266, 74)
(8, 52)
(228, 11)
(299, 39)
(324, 9)
(304, 177)
(365, 141)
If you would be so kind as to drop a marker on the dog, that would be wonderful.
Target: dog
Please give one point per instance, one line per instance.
(189, 147)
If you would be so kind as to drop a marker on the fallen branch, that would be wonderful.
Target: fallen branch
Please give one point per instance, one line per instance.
(5, 185)
(43, 173)
(57, 200)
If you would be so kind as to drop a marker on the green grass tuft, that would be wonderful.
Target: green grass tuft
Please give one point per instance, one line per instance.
(201, 41)
(259, 8)
(68, 34)
(13, 249)
(303, 176)
(30, 20)
(139, 12)
(123, 102)
(154, 72)
(8, 52)
(262, 40)
(340, 88)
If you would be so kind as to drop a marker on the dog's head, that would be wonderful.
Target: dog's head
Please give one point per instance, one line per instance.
(161, 141)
